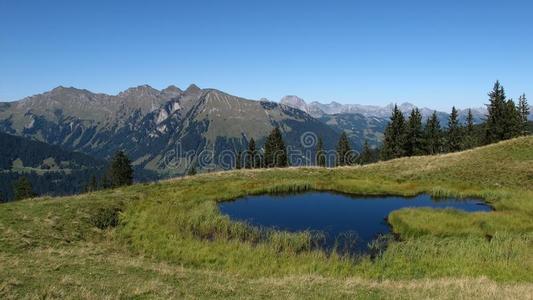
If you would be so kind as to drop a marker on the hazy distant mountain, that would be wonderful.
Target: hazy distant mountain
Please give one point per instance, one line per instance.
(318, 109)
(367, 122)
(154, 127)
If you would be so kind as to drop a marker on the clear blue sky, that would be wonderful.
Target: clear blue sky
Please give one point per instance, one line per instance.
(431, 53)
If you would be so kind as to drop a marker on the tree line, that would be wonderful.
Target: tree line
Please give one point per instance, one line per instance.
(275, 153)
(409, 136)
(504, 120)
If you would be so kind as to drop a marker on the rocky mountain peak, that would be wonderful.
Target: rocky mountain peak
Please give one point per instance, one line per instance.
(62, 90)
(193, 89)
(171, 89)
(295, 101)
(141, 90)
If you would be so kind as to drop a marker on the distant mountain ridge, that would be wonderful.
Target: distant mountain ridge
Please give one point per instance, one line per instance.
(158, 128)
(151, 124)
(367, 122)
(318, 109)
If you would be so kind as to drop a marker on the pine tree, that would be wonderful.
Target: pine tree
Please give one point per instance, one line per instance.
(238, 163)
(320, 154)
(275, 151)
(470, 138)
(394, 136)
(120, 172)
(250, 157)
(344, 152)
(454, 136)
(92, 185)
(513, 121)
(367, 155)
(106, 182)
(192, 170)
(433, 135)
(523, 110)
(494, 126)
(469, 122)
(23, 189)
(414, 134)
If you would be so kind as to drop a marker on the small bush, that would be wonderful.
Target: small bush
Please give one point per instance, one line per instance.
(106, 217)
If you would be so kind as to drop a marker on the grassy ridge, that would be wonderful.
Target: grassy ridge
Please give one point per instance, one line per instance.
(177, 222)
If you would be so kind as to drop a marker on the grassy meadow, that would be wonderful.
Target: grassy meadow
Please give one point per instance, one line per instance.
(168, 239)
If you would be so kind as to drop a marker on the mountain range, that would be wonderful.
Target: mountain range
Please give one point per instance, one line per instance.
(166, 131)
(317, 109)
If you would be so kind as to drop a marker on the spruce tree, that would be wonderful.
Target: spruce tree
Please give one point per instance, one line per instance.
(192, 170)
(494, 126)
(120, 172)
(367, 155)
(250, 157)
(106, 182)
(433, 135)
(523, 110)
(414, 134)
(394, 136)
(275, 151)
(92, 185)
(512, 121)
(470, 138)
(344, 152)
(23, 189)
(454, 136)
(238, 163)
(320, 154)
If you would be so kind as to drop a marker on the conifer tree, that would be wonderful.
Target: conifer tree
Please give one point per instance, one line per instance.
(454, 132)
(469, 122)
(469, 138)
(523, 110)
(92, 185)
(238, 163)
(433, 135)
(275, 151)
(106, 182)
(414, 143)
(367, 155)
(192, 170)
(494, 126)
(120, 172)
(23, 189)
(512, 121)
(394, 136)
(344, 152)
(250, 157)
(320, 154)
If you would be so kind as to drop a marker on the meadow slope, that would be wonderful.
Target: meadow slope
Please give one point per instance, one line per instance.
(168, 239)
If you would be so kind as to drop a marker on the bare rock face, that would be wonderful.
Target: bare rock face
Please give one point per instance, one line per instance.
(296, 102)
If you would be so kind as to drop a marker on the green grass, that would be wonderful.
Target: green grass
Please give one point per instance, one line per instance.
(171, 240)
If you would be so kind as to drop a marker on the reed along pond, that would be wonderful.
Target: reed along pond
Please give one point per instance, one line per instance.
(340, 222)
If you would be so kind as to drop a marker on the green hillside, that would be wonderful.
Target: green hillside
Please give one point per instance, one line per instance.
(50, 169)
(168, 240)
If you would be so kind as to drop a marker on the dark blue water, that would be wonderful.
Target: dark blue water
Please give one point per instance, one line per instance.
(336, 215)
